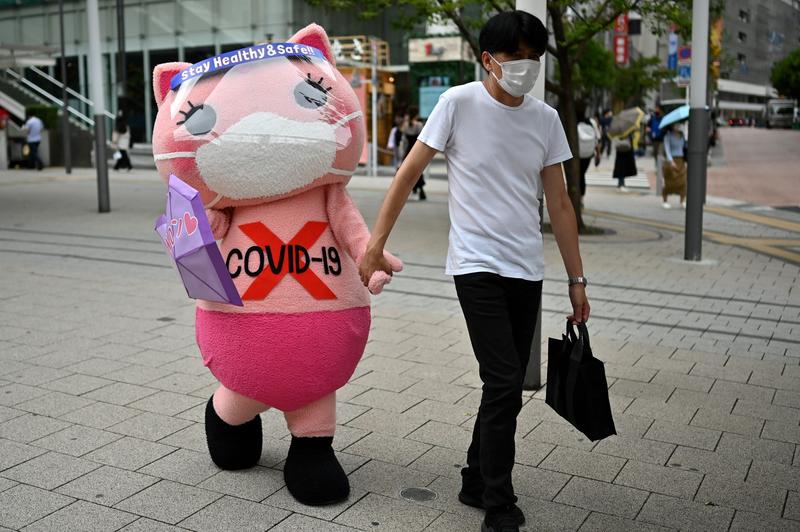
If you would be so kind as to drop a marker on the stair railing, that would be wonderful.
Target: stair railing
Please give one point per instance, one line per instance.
(71, 92)
(47, 96)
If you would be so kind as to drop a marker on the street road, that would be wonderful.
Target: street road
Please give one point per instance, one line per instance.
(761, 166)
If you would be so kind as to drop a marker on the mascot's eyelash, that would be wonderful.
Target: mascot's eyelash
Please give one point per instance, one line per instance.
(317, 84)
(188, 114)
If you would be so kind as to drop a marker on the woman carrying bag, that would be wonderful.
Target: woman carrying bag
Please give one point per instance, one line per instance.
(675, 165)
(624, 161)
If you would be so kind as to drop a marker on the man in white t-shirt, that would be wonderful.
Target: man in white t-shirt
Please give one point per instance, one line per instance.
(502, 147)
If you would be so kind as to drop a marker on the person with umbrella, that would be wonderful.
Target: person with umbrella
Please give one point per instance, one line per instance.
(624, 129)
(675, 165)
(674, 152)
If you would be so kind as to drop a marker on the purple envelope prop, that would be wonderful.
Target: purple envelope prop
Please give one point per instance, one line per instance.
(187, 235)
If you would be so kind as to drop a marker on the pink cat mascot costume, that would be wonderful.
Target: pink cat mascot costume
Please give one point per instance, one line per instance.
(270, 135)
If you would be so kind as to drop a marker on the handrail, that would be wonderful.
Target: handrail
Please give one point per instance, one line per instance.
(57, 83)
(53, 99)
(72, 92)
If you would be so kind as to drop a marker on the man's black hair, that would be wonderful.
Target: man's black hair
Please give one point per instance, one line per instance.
(505, 31)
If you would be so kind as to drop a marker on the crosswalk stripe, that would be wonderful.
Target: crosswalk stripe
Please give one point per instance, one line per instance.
(604, 179)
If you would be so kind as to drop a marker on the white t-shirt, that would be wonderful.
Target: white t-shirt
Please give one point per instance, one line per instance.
(34, 126)
(495, 154)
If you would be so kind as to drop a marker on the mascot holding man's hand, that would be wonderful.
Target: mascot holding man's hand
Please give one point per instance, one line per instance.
(270, 135)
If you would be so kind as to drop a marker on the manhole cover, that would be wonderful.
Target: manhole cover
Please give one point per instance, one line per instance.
(418, 494)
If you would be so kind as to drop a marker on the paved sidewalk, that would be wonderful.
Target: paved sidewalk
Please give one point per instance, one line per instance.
(102, 389)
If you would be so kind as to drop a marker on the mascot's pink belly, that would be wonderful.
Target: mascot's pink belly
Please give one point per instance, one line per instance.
(283, 360)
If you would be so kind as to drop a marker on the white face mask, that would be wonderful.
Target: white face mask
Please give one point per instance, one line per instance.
(518, 76)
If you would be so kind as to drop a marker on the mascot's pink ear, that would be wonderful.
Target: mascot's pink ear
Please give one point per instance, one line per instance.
(162, 76)
(314, 35)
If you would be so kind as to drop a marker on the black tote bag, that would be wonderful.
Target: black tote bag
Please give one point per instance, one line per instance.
(576, 384)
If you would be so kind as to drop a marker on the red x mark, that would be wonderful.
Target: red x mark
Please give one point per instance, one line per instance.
(266, 281)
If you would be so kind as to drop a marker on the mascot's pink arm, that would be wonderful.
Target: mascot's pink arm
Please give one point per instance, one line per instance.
(347, 224)
(351, 232)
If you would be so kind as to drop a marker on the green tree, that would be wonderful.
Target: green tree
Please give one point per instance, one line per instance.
(632, 83)
(575, 24)
(785, 75)
(595, 73)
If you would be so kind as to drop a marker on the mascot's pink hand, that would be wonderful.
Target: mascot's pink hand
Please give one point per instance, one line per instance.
(220, 221)
(395, 263)
(380, 279)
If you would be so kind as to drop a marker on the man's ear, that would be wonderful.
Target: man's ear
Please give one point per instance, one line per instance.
(486, 61)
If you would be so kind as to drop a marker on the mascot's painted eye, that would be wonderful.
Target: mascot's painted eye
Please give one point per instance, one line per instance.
(311, 93)
(199, 119)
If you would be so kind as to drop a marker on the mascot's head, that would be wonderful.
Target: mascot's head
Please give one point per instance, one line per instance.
(258, 124)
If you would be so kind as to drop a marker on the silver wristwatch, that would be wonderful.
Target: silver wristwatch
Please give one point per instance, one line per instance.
(578, 280)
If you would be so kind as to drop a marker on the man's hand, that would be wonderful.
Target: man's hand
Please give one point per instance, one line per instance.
(580, 303)
(373, 261)
(674, 164)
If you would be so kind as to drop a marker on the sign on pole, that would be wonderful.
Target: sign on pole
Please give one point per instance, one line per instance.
(684, 54)
(621, 39)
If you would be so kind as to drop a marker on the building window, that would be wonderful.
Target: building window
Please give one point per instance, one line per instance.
(744, 16)
(742, 36)
(635, 26)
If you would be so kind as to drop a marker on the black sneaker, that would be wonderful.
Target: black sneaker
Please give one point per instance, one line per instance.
(500, 522)
(475, 502)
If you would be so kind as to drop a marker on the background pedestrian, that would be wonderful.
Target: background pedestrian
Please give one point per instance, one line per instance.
(412, 126)
(588, 144)
(624, 161)
(121, 139)
(656, 139)
(33, 130)
(675, 165)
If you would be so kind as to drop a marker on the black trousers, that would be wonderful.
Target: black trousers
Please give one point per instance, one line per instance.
(584, 167)
(501, 318)
(124, 161)
(33, 157)
(605, 144)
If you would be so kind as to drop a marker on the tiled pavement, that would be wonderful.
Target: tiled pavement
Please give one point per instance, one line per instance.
(102, 389)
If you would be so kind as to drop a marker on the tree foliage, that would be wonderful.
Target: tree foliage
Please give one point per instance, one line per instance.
(785, 75)
(639, 78)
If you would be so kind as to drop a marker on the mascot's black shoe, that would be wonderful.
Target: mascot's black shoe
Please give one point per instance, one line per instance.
(232, 446)
(312, 473)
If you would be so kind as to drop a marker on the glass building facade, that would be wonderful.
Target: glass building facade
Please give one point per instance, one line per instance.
(159, 31)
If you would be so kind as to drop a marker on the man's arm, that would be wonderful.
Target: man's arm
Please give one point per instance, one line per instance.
(412, 167)
(565, 229)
